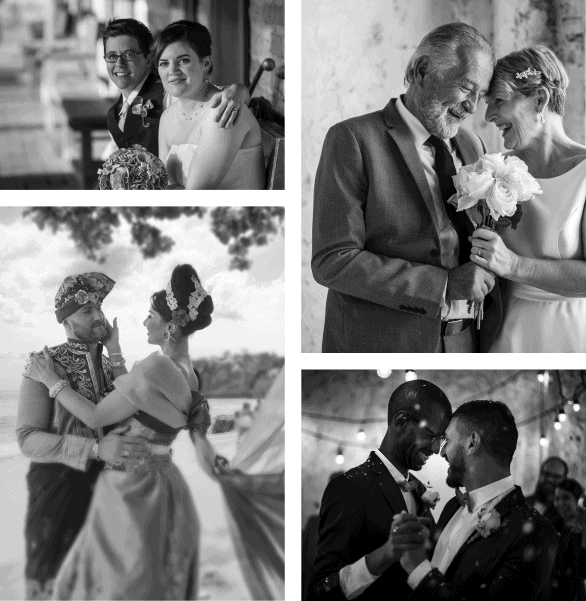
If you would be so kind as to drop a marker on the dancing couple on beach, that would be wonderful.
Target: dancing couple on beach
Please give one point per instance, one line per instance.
(206, 136)
(110, 516)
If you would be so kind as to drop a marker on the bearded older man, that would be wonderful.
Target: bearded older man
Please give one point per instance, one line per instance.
(66, 456)
(393, 254)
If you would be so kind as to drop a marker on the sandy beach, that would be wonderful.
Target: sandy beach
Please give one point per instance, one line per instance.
(221, 577)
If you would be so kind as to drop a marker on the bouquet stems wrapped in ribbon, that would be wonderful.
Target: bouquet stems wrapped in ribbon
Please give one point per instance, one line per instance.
(490, 191)
(133, 168)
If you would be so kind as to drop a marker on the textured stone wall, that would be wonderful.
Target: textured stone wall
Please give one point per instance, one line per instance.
(354, 56)
(363, 394)
(267, 40)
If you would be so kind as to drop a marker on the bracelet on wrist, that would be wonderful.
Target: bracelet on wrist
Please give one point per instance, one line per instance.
(120, 363)
(115, 354)
(57, 388)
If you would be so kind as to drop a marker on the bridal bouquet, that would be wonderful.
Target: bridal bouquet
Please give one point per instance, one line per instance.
(133, 168)
(490, 191)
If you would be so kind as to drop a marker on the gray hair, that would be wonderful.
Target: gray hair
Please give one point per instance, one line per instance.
(552, 76)
(443, 46)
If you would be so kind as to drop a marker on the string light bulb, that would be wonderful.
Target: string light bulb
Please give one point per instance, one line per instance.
(557, 425)
(410, 375)
(340, 456)
(543, 441)
(384, 373)
(562, 415)
(541, 376)
(361, 434)
(576, 405)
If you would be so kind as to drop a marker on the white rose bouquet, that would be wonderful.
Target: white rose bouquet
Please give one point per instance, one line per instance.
(491, 191)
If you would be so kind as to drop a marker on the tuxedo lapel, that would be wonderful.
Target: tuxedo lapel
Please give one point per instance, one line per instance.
(389, 488)
(504, 507)
(399, 132)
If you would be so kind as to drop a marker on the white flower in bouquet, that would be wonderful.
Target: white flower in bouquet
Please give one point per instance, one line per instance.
(133, 169)
(491, 189)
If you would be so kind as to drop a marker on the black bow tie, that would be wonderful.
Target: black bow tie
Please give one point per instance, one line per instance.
(463, 498)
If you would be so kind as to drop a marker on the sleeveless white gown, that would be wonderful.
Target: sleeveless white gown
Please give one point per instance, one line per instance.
(247, 172)
(536, 321)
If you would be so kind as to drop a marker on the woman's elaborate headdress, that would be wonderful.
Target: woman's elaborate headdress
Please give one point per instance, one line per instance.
(179, 315)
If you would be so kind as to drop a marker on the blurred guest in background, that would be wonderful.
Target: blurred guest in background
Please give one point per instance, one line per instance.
(553, 471)
(569, 571)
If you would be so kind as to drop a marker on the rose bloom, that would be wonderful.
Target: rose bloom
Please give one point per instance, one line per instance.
(502, 200)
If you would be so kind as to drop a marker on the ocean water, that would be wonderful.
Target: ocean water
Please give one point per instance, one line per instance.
(9, 410)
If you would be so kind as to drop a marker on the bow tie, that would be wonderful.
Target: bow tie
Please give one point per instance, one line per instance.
(407, 486)
(463, 498)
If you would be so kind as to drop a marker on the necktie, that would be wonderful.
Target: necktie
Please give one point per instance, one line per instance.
(463, 498)
(444, 168)
(122, 115)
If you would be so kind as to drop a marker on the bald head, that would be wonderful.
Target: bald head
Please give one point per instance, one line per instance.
(420, 398)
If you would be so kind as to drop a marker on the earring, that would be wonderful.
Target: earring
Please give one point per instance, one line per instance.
(541, 118)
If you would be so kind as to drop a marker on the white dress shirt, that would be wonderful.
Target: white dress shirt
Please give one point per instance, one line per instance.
(450, 309)
(460, 527)
(355, 578)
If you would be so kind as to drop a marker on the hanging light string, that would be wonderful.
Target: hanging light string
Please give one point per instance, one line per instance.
(343, 443)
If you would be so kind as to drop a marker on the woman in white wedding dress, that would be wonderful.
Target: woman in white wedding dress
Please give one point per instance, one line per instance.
(201, 155)
(541, 263)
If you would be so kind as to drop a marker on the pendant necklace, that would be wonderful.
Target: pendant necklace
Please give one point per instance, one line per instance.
(196, 112)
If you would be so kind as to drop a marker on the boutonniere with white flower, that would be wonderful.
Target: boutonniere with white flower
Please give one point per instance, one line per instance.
(138, 108)
(430, 497)
(487, 522)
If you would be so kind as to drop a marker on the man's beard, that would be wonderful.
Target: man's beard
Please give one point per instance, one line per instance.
(89, 335)
(455, 478)
(436, 118)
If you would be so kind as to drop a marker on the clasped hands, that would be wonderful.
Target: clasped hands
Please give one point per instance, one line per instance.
(409, 540)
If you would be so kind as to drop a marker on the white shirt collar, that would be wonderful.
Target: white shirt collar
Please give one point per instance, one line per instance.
(487, 493)
(134, 92)
(398, 477)
(417, 129)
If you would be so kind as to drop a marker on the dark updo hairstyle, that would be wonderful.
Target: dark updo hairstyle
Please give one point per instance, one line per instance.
(572, 486)
(132, 28)
(182, 287)
(194, 34)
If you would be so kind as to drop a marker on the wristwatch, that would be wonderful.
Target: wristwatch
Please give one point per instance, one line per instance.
(327, 584)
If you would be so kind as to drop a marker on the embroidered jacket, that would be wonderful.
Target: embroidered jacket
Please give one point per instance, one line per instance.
(47, 432)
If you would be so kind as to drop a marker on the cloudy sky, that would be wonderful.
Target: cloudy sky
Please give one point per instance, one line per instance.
(249, 305)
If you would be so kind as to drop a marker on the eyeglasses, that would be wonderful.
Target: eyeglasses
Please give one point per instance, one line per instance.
(128, 57)
(434, 437)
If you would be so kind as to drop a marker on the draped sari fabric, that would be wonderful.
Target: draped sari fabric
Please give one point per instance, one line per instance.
(254, 490)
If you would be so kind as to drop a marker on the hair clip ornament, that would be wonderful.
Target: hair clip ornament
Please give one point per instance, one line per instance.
(528, 72)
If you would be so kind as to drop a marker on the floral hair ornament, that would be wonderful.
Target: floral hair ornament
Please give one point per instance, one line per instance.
(180, 317)
(527, 73)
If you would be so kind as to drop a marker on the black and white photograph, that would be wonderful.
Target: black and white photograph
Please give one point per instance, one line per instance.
(427, 484)
(142, 450)
(142, 95)
(444, 177)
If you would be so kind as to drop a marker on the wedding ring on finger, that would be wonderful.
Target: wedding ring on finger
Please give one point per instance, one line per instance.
(480, 252)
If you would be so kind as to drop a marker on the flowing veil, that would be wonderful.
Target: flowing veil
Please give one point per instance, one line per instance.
(254, 490)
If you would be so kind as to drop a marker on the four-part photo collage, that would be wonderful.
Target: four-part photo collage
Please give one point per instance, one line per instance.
(154, 348)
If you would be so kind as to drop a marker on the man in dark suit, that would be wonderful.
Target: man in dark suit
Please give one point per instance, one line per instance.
(393, 254)
(357, 554)
(127, 45)
(491, 544)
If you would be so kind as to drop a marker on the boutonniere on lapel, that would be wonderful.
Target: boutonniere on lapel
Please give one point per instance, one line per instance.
(138, 108)
(487, 522)
(430, 497)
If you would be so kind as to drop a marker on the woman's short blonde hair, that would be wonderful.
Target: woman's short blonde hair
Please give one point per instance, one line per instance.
(552, 76)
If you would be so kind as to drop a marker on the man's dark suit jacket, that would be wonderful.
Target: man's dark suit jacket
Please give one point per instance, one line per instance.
(376, 243)
(135, 132)
(355, 519)
(514, 562)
